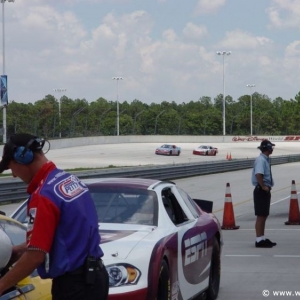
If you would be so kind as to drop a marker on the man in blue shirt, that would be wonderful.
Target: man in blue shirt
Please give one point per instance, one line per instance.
(263, 183)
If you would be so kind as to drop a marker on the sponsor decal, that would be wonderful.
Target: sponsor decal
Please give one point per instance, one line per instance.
(195, 248)
(32, 215)
(56, 177)
(270, 138)
(292, 138)
(196, 257)
(70, 188)
(247, 139)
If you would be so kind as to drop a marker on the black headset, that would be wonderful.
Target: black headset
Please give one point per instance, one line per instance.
(24, 155)
(268, 147)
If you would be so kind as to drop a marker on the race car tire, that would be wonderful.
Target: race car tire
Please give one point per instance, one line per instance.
(178, 153)
(215, 153)
(206, 153)
(215, 272)
(164, 283)
(170, 153)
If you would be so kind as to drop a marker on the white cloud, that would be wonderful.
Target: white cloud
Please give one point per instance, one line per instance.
(293, 49)
(193, 31)
(264, 61)
(284, 14)
(208, 6)
(169, 35)
(239, 39)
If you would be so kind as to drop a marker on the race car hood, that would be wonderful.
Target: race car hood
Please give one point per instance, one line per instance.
(120, 242)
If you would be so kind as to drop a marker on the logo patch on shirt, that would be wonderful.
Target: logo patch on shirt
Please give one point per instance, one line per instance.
(31, 215)
(70, 188)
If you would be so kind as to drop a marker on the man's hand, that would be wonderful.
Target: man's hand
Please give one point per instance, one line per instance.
(28, 262)
(17, 252)
(266, 188)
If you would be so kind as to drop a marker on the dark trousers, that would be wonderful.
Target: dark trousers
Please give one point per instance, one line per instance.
(73, 287)
(262, 201)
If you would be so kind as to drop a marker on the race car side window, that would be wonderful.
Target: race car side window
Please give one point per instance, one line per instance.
(168, 208)
(189, 202)
(173, 208)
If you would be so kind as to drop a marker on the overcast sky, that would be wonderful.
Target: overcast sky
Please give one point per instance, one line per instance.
(165, 50)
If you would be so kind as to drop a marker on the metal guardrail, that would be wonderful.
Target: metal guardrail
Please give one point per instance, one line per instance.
(13, 190)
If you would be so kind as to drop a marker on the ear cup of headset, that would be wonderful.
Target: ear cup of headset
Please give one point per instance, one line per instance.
(23, 156)
(267, 147)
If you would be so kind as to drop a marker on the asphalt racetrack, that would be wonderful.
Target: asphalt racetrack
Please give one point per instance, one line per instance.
(247, 272)
(135, 154)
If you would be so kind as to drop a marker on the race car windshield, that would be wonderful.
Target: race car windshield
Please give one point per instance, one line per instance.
(129, 206)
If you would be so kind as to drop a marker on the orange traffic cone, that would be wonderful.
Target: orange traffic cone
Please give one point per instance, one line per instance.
(228, 216)
(294, 216)
(229, 157)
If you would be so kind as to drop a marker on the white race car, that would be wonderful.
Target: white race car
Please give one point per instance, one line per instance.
(158, 242)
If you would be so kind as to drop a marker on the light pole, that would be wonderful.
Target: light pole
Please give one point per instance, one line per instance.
(59, 108)
(118, 115)
(223, 53)
(250, 86)
(3, 44)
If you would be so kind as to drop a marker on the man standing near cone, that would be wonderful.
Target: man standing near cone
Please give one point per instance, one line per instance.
(263, 183)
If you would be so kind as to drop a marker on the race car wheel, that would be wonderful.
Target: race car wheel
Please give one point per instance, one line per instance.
(215, 153)
(206, 153)
(215, 273)
(178, 153)
(170, 153)
(164, 284)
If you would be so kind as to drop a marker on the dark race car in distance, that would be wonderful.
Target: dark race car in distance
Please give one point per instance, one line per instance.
(168, 149)
(158, 242)
(205, 150)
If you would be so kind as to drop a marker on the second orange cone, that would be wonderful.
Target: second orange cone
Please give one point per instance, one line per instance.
(294, 216)
(228, 215)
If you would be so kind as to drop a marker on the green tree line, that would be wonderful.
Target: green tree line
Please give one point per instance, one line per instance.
(76, 118)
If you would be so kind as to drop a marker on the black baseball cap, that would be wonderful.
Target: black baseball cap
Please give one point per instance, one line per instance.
(15, 141)
(265, 145)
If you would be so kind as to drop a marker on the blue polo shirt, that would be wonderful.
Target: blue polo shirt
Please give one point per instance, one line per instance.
(63, 221)
(262, 166)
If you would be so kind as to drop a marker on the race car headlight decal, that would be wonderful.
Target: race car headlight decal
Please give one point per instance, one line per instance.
(122, 274)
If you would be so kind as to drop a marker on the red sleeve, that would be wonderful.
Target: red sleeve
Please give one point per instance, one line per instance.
(43, 221)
